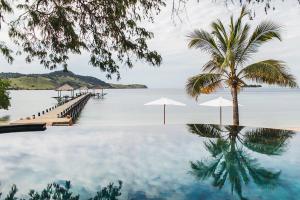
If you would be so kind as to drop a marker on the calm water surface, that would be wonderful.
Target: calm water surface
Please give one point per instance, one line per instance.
(118, 138)
(156, 162)
(261, 107)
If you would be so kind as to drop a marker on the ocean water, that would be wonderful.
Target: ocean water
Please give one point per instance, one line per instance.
(262, 107)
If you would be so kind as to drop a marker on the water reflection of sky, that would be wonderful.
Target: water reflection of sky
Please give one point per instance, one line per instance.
(152, 162)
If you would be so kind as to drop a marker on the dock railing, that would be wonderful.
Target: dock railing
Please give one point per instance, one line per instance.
(64, 114)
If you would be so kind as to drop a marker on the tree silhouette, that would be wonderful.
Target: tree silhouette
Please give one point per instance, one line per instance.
(56, 191)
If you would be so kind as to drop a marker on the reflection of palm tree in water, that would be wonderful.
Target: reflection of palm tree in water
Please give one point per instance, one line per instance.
(230, 160)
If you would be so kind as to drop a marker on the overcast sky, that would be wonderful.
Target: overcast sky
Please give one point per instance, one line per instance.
(170, 41)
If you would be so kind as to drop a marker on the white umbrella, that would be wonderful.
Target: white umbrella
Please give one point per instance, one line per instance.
(219, 102)
(164, 101)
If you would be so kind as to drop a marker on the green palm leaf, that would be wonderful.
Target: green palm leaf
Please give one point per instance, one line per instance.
(213, 65)
(203, 83)
(205, 130)
(273, 72)
(203, 40)
(215, 148)
(203, 170)
(263, 33)
(219, 32)
(267, 141)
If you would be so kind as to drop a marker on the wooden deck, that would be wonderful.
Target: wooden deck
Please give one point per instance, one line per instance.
(58, 116)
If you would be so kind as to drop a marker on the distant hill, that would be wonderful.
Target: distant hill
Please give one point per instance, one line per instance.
(55, 79)
(252, 86)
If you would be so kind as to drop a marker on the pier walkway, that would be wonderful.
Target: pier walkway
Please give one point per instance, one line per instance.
(63, 115)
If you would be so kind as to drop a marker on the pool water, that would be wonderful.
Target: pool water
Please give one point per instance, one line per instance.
(192, 161)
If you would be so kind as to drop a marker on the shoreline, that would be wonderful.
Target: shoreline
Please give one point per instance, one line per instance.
(297, 129)
(76, 89)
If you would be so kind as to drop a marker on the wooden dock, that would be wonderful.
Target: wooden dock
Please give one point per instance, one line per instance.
(63, 115)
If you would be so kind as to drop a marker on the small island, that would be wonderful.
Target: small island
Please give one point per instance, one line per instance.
(51, 81)
(252, 86)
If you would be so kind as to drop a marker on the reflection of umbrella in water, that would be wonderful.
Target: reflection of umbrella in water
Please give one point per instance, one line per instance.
(164, 102)
(219, 102)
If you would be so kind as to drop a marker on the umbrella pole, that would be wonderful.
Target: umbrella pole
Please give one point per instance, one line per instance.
(164, 113)
(220, 115)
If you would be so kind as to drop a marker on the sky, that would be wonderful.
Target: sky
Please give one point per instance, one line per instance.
(170, 40)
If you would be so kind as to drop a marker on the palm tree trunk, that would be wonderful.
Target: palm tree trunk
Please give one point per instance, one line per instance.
(235, 107)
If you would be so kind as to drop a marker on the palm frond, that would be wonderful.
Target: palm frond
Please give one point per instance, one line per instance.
(205, 130)
(241, 44)
(203, 171)
(272, 72)
(263, 33)
(220, 176)
(217, 147)
(219, 32)
(261, 176)
(214, 65)
(238, 27)
(243, 35)
(203, 84)
(209, 66)
(203, 40)
(222, 29)
(267, 141)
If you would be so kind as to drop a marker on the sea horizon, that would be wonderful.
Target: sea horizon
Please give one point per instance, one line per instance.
(261, 107)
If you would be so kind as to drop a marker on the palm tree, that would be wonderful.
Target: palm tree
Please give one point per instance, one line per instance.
(230, 51)
(231, 162)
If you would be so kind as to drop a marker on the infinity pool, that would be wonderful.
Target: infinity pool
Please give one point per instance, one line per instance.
(155, 162)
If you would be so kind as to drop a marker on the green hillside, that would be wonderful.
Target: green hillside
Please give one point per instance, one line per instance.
(53, 80)
(31, 83)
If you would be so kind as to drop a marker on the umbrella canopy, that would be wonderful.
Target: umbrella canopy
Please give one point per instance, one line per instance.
(219, 102)
(163, 102)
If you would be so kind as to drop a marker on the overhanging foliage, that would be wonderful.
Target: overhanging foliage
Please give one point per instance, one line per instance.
(110, 30)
